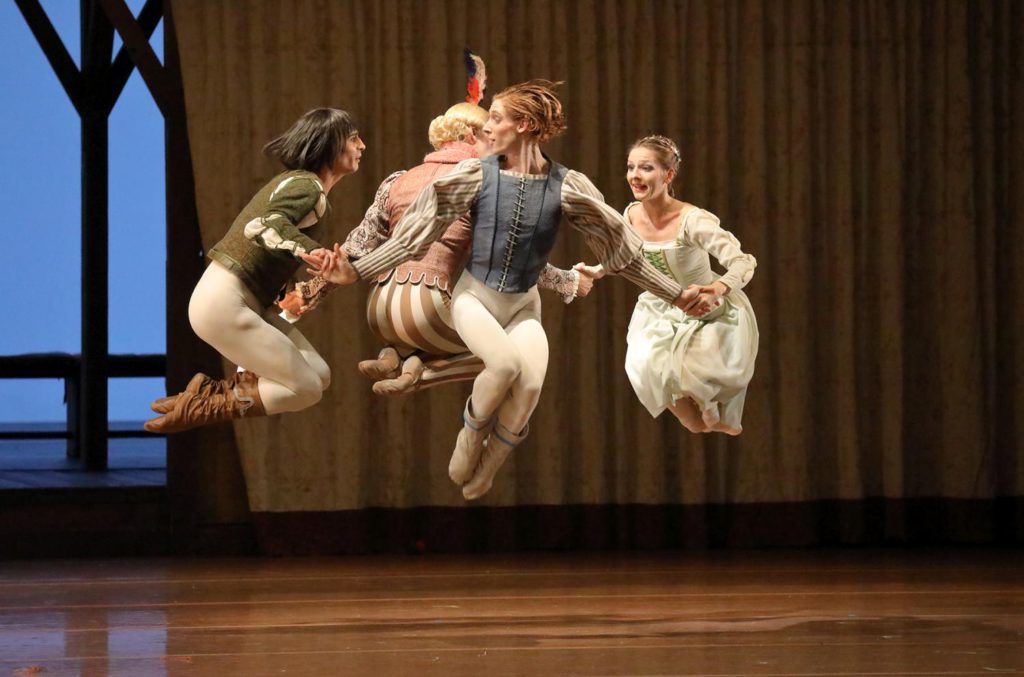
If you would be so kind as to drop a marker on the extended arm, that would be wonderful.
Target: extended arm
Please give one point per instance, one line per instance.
(429, 215)
(616, 245)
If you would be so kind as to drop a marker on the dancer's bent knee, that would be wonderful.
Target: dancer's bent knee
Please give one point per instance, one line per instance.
(205, 320)
(321, 369)
(305, 399)
(306, 384)
(285, 397)
(325, 378)
(504, 371)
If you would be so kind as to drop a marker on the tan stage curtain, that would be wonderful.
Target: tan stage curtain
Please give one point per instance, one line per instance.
(868, 153)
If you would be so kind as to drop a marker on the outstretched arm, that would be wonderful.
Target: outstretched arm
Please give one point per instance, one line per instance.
(614, 242)
(371, 232)
(437, 205)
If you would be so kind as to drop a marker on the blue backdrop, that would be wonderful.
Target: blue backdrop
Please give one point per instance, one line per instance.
(40, 265)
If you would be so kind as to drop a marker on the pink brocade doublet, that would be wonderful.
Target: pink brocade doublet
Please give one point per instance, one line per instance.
(447, 255)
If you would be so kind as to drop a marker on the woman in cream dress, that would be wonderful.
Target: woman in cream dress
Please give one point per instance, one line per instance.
(696, 361)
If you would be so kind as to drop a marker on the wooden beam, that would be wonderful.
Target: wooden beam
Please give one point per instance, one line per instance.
(97, 35)
(97, 45)
(95, 291)
(53, 48)
(148, 19)
(39, 365)
(140, 51)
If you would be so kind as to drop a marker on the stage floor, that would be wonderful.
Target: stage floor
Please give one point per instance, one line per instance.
(782, 612)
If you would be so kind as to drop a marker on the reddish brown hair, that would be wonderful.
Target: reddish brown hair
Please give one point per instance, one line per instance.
(536, 103)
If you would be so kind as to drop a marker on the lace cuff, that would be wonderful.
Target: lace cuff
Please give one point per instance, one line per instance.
(563, 282)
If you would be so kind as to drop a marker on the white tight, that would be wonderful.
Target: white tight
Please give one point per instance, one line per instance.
(226, 314)
(504, 331)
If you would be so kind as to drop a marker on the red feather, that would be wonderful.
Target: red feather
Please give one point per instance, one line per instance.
(477, 72)
(473, 90)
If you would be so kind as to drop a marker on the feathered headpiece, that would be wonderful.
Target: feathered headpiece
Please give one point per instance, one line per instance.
(477, 74)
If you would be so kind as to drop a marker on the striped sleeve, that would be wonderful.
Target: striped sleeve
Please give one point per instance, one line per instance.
(613, 241)
(297, 202)
(426, 219)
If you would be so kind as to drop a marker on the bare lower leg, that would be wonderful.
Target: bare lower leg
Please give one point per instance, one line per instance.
(685, 409)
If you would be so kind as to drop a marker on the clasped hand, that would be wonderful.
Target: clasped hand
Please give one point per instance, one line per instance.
(698, 300)
(293, 303)
(333, 266)
(587, 275)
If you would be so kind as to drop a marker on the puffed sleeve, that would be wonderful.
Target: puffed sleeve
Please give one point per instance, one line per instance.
(298, 202)
(373, 229)
(705, 231)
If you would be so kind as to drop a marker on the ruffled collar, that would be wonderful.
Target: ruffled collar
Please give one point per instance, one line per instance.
(452, 153)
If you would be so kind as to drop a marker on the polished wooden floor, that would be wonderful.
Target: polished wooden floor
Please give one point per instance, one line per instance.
(809, 612)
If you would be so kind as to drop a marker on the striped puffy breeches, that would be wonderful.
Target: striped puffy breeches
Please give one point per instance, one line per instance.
(413, 317)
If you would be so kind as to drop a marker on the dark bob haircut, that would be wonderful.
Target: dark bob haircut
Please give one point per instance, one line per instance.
(314, 141)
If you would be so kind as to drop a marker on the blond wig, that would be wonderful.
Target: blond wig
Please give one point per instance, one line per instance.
(456, 124)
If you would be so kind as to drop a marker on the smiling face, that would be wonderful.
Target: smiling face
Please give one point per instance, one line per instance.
(501, 130)
(348, 159)
(646, 176)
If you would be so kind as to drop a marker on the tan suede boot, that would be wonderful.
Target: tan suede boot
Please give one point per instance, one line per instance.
(499, 445)
(197, 383)
(385, 366)
(219, 403)
(469, 445)
(200, 383)
(412, 368)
